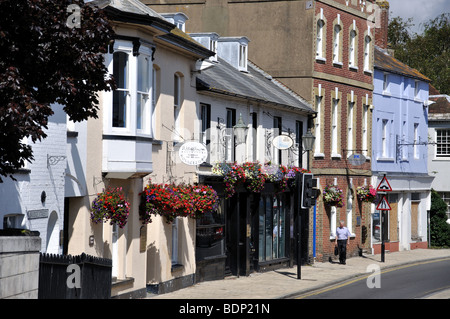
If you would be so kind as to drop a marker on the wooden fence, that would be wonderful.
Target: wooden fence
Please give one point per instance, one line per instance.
(88, 278)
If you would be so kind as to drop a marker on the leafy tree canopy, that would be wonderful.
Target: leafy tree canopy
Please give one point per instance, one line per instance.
(46, 60)
(427, 52)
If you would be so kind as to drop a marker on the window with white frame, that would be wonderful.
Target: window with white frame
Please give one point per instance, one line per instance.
(336, 43)
(177, 106)
(416, 89)
(384, 138)
(385, 83)
(155, 90)
(365, 129)
(446, 198)
(404, 150)
(320, 39)
(143, 116)
(121, 95)
(317, 132)
(349, 211)
(443, 143)
(277, 127)
(128, 108)
(350, 127)
(243, 57)
(205, 123)
(333, 216)
(334, 127)
(367, 41)
(352, 49)
(416, 141)
(213, 48)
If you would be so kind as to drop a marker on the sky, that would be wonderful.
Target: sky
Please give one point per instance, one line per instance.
(420, 10)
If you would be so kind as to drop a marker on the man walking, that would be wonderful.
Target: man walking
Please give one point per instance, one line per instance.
(342, 234)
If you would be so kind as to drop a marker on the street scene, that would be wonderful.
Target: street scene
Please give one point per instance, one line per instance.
(224, 152)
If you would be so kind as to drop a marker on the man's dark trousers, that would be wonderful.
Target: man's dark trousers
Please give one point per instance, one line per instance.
(342, 246)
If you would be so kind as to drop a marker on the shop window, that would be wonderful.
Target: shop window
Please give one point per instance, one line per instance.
(273, 228)
(210, 232)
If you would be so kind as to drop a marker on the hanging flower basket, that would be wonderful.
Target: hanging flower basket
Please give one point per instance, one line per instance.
(172, 201)
(333, 196)
(232, 175)
(366, 194)
(110, 205)
(254, 175)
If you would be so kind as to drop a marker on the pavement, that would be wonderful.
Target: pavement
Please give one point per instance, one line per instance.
(283, 283)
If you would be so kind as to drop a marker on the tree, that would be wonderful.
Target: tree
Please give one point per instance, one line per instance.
(47, 60)
(427, 52)
(439, 229)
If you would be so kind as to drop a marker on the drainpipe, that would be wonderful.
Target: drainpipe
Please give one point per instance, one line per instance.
(314, 232)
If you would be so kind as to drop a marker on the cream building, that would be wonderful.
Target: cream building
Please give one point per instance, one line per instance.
(151, 61)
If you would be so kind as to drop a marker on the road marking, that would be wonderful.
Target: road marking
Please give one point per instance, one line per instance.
(362, 277)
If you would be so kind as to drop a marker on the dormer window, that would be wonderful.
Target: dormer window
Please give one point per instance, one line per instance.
(242, 58)
(178, 19)
(213, 48)
(208, 40)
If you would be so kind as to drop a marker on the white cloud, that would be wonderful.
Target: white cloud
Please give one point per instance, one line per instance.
(421, 11)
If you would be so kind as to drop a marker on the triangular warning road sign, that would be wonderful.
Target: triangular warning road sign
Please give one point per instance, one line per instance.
(384, 185)
(383, 204)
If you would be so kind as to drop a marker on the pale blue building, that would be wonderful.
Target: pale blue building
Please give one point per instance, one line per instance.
(399, 150)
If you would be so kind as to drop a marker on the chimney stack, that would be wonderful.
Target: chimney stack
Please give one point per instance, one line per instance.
(381, 26)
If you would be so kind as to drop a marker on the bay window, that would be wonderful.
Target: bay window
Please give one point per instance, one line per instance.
(122, 93)
(143, 118)
(128, 108)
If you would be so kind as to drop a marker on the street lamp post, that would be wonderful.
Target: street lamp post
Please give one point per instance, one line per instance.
(308, 143)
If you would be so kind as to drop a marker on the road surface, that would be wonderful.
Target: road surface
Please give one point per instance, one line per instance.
(418, 280)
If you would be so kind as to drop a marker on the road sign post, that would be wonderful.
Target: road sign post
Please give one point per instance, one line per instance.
(383, 206)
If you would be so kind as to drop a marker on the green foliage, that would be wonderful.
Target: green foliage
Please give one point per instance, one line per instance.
(46, 61)
(427, 52)
(439, 229)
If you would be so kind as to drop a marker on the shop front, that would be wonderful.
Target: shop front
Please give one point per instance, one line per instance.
(249, 232)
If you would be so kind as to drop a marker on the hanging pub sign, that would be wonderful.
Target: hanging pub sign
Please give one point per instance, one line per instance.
(356, 159)
(282, 142)
(193, 153)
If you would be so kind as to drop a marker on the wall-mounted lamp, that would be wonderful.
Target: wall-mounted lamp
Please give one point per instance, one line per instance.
(240, 131)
